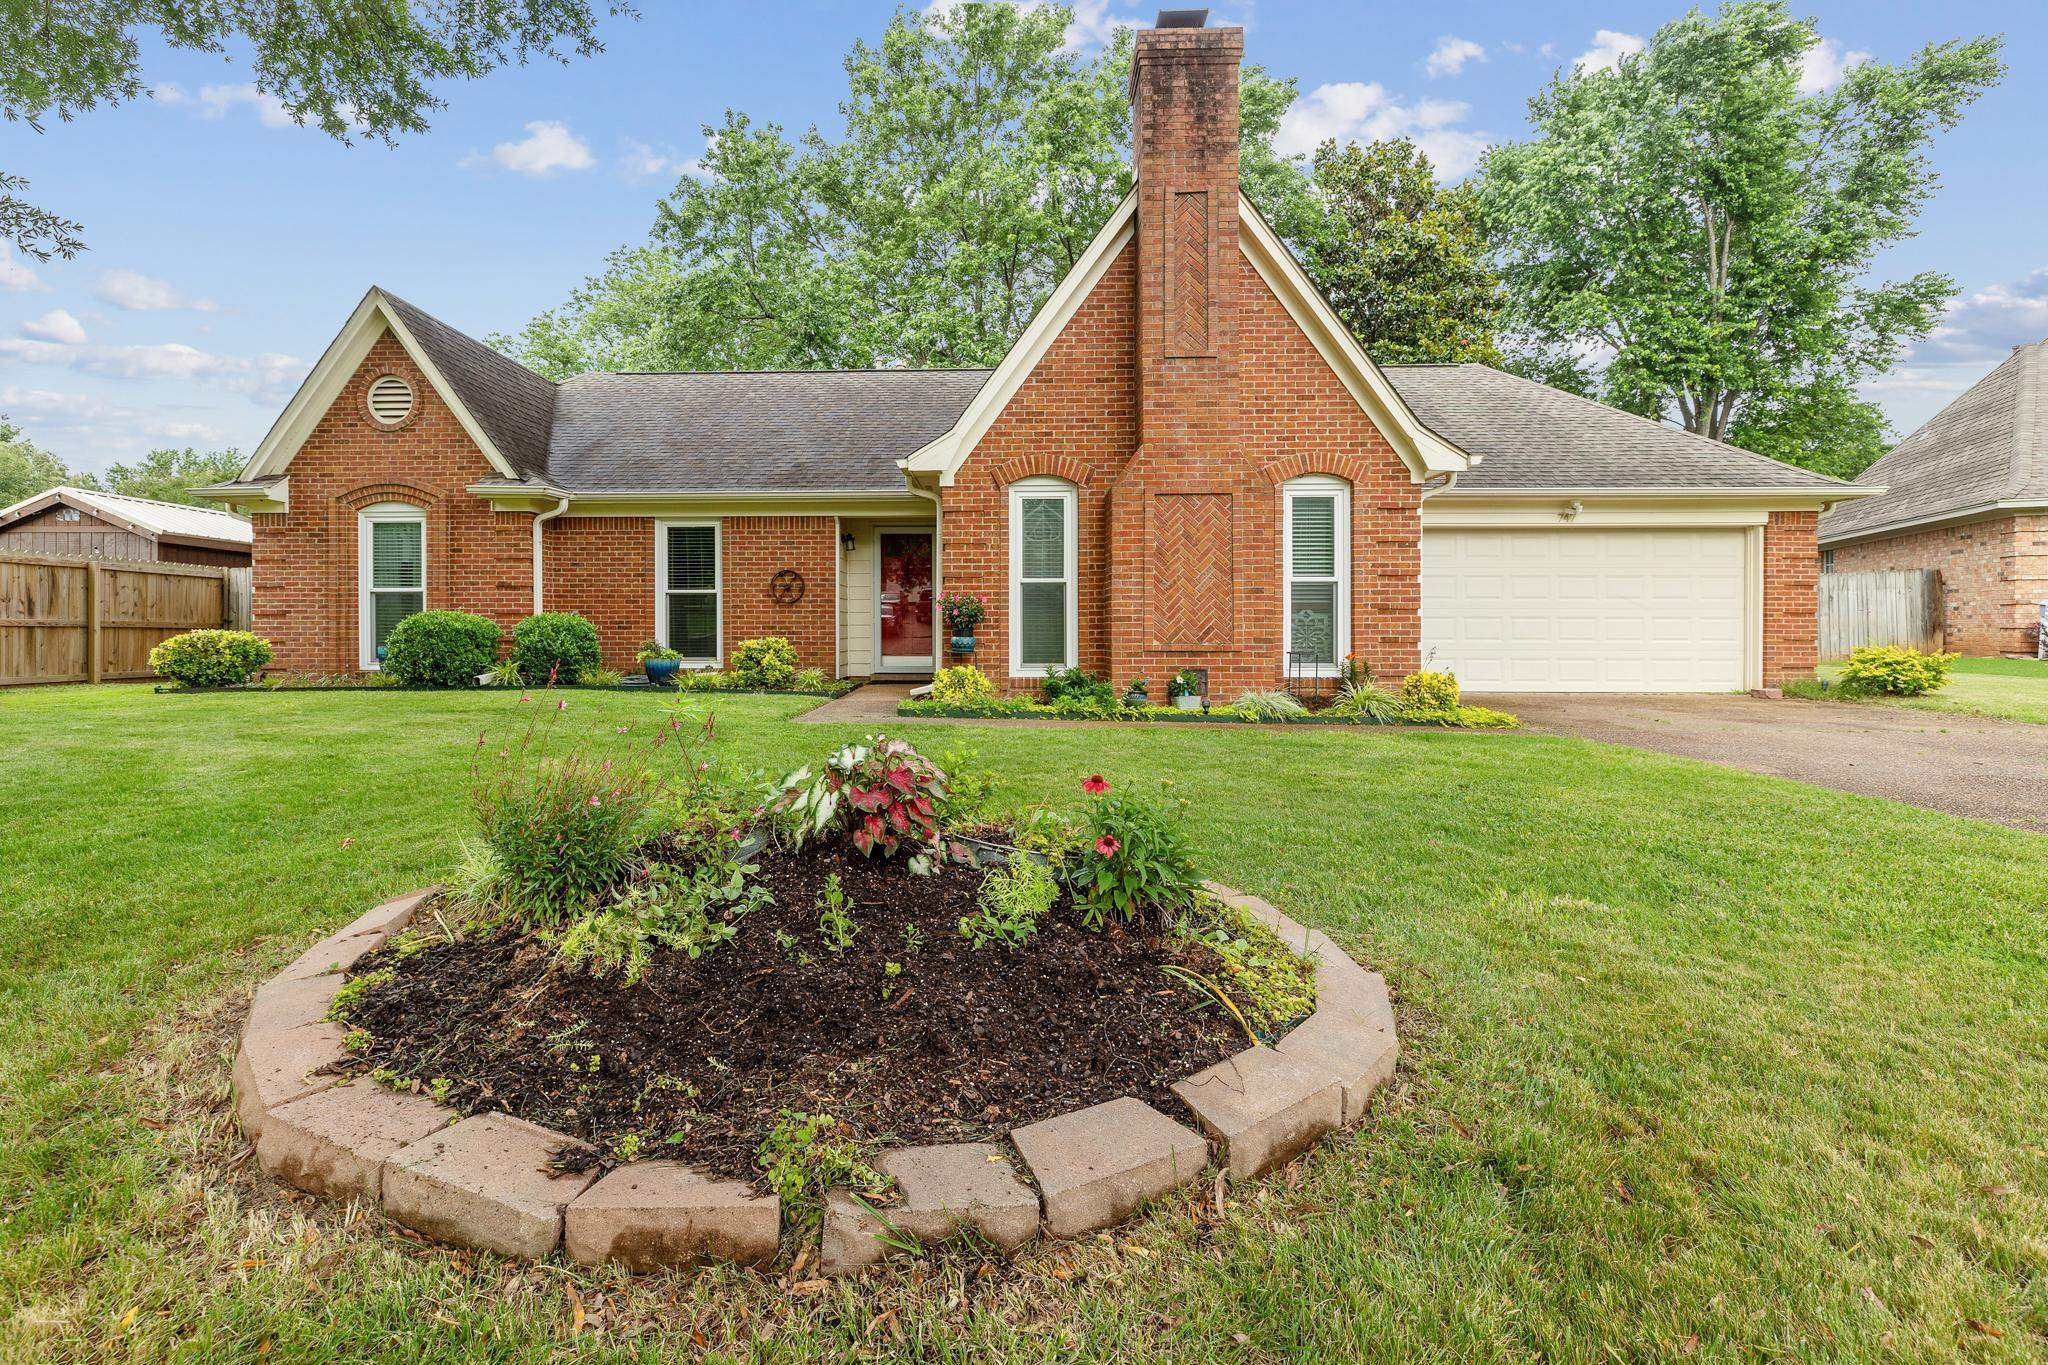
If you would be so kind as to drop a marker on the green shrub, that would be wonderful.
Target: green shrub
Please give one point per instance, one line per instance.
(1363, 701)
(1080, 686)
(1268, 705)
(1429, 693)
(1894, 671)
(1136, 863)
(562, 831)
(654, 651)
(441, 649)
(706, 680)
(810, 680)
(961, 685)
(769, 662)
(1012, 901)
(555, 647)
(210, 658)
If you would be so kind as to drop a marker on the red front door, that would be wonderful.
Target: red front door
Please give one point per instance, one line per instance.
(906, 606)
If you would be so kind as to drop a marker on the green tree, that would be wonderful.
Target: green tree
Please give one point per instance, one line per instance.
(978, 158)
(26, 469)
(1691, 238)
(348, 69)
(171, 475)
(1405, 260)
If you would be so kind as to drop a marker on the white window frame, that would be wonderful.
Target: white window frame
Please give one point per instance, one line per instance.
(1317, 486)
(1043, 488)
(366, 590)
(661, 592)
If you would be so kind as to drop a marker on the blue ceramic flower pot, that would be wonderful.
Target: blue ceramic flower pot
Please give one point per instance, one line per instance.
(963, 644)
(662, 672)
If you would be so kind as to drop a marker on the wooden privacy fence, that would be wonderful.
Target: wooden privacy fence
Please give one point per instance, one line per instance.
(1895, 607)
(84, 620)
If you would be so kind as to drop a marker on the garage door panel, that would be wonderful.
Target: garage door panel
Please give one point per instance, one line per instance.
(1586, 609)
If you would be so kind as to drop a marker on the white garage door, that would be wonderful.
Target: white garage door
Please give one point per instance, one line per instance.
(1587, 609)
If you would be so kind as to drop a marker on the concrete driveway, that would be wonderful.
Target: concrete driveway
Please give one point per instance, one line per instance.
(1988, 769)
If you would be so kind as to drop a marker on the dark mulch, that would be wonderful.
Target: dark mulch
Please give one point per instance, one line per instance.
(966, 1044)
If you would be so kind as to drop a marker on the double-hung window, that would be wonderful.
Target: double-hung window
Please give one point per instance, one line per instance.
(391, 572)
(1043, 636)
(686, 590)
(1316, 557)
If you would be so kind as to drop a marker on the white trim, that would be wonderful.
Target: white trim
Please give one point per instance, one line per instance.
(838, 599)
(906, 663)
(1425, 453)
(366, 590)
(1438, 517)
(1781, 497)
(337, 364)
(1753, 606)
(1934, 521)
(1042, 488)
(661, 592)
(947, 453)
(1316, 486)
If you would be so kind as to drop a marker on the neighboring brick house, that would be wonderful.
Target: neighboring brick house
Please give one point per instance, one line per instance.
(1185, 461)
(1966, 494)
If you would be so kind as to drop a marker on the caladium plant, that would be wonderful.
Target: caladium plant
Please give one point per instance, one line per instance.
(883, 791)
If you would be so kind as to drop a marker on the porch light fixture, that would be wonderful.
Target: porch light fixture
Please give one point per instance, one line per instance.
(846, 540)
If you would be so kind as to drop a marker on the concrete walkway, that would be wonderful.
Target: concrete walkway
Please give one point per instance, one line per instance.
(1987, 769)
(865, 705)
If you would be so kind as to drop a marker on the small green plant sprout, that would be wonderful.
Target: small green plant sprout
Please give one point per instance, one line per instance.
(439, 1089)
(913, 939)
(786, 942)
(356, 1041)
(835, 925)
(627, 1146)
(890, 971)
(804, 1155)
(354, 989)
(1012, 901)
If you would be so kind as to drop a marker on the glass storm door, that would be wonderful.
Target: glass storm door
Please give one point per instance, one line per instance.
(906, 600)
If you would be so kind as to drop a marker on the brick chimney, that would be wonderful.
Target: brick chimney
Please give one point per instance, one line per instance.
(1183, 529)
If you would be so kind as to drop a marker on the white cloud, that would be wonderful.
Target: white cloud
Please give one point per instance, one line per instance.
(170, 92)
(1986, 325)
(1547, 50)
(1824, 64)
(90, 432)
(15, 276)
(269, 376)
(1095, 24)
(548, 148)
(1609, 47)
(216, 100)
(55, 325)
(134, 292)
(642, 162)
(1451, 54)
(1355, 111)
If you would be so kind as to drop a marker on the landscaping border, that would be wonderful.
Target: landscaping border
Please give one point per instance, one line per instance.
(931, 710)
(486, 1182)
(624, 685)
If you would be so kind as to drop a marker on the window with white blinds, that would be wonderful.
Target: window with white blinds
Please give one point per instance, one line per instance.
(686, 590)
(391, 566)
(1042, 586)
(1317, 563)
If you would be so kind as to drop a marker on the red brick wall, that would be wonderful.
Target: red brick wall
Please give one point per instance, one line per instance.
(1791, 610)
(603, 568)
(1994, 574)
(305, 559)
(754, 550)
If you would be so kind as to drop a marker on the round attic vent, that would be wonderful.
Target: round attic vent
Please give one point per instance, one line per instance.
(390, 400)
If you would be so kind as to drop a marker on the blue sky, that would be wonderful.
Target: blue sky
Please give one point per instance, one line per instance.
(227, 245)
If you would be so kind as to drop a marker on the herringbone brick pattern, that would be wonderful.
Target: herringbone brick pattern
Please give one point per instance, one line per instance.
(1191, 569)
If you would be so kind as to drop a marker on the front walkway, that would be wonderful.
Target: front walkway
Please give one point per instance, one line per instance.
(1987, 769)
(865, 705)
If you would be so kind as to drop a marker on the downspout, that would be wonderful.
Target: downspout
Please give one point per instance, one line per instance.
(539, 519)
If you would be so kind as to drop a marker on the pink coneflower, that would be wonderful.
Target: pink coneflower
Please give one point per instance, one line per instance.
(504, 753)
(596, 801)
(526, 696)
(734, 832)
(1095, 785)
(1107, 846)
(561, 706)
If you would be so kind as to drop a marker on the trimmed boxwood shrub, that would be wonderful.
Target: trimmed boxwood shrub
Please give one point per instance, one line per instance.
(210, 658)
(1894, 671)
(768, 662)
(555, 646)
(441, 649)
(961, 685)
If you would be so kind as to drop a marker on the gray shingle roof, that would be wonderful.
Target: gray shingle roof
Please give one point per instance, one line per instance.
(1529, 435)
(785, 431)
(1990, 445)
(513, 405)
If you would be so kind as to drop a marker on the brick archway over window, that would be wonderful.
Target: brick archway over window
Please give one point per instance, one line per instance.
(1041, 467)
(356, 499)
(1353, 469)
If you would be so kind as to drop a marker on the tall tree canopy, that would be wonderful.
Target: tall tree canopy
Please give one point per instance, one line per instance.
(979, 157)
(1689, 237)
(170, 475)
(348, 69)
(26, 469)
(1403, 259)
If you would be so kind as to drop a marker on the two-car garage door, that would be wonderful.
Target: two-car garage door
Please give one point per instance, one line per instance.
(1587, 609)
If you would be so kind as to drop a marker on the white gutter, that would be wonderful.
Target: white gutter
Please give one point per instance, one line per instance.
(539, 518)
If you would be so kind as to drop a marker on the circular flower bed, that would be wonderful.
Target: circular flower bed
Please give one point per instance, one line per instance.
(675, 1017)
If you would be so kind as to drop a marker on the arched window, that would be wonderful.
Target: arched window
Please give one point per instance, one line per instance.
(391, 571)
(1316, 563)
(1043, 634)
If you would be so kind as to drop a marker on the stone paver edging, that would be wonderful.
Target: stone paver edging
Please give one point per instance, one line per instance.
(487, 1181)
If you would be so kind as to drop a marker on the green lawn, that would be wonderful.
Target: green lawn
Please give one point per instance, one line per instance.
(2005, 689)
(1698, 1063)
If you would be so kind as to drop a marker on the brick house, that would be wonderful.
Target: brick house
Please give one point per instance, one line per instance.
(1966, 494)
(1185, 461)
